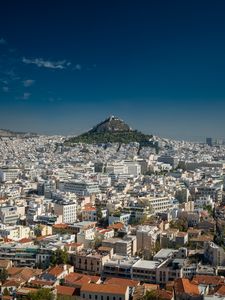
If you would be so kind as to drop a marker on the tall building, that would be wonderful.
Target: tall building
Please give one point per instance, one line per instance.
(209, 141)
(66, 209)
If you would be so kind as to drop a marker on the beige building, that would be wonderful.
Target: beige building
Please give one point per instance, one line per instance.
(214, 254)
(146, 237)
(16, 232)
(89, 263)
(125, 246)
(46, 230)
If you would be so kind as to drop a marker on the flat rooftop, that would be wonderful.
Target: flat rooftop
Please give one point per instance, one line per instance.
(146, 264)
(164, 253)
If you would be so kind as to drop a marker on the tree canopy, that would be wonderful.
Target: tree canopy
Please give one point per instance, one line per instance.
(41, 294)
(59, 257)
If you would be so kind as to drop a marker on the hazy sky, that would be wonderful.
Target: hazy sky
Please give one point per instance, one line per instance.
(159, 65)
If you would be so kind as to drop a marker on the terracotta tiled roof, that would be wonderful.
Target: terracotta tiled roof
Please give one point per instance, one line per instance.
(208, 280)
(183, 285)
(26, 290)
(72, 277)
(202, 238)
(65, 290)
(89, 208)
(220, 291)
(6, 240)
(104, 289)
(7, 297)
(55, 271)
(24, 241)
(116, 226)
(41, 282)
(9, 283)
(122, 281)
(60, 226)
(4, 263)
(23, 274)
(78, 279)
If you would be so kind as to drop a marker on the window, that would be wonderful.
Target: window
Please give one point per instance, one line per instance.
(96, 297)
(89, 296)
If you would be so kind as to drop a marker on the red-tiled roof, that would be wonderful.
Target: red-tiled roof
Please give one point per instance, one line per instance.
(23, 274)
(116, 226)
(89, 208)
(41, 282)
(104, 289)
(208, 280)
(56, 271)
(60, 226)
(221, 290)
(65, 290)
(25, 240)
(78, 279)
(9, 283)
(122, 281)
(183, 285)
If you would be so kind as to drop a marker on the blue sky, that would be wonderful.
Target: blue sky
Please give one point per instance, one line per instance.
(159, 65)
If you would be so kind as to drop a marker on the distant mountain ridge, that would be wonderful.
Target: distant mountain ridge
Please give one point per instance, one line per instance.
(9, 133)
(111, 130)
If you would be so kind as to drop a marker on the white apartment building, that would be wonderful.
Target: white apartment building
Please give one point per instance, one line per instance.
(66, 209)
(133, 167)
(81, 188)
(126, 167)
(116, 168)
(15, 232)
(160, 204)
(204, 201)
(86, 237)
(214, 254)
(9, 215)
(8, 174)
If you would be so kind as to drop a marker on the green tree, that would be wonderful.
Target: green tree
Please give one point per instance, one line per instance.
(180, 224)
(3, 275)
(6, 292)
(59, 257)
(209, 209)
(41, 294)
(37, 230)
(152, 295)
(99, 213)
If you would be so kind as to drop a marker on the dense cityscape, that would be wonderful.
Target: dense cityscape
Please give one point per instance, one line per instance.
(112, 150)
(111, 221)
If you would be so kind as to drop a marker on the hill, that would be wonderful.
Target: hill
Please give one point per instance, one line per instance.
(111, 130)
(111, 124)
(9, 133)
